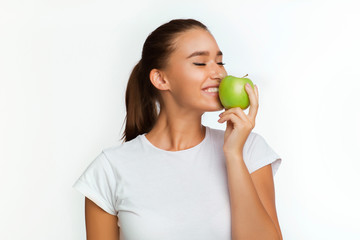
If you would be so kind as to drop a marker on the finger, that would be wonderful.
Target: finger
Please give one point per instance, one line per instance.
(232, 117)
(257, 92)
(237, 122)
(240, 113)
(237, 111)
(254, 105)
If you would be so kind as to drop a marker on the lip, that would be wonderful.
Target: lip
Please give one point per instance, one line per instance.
(210, 93)
(212, 86)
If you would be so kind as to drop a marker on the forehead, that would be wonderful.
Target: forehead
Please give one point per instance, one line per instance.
(195, 40)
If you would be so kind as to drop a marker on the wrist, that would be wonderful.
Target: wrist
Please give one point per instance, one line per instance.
(235, 161)
(234, 151)
(233, 156)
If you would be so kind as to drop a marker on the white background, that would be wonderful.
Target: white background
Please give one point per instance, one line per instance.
(64, 67)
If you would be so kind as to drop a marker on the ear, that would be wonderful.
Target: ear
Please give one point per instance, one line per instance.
(157, 78)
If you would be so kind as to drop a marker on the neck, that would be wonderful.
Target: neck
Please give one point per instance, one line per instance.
(175, 132)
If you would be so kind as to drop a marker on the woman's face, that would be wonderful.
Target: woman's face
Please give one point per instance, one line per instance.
(195, 65)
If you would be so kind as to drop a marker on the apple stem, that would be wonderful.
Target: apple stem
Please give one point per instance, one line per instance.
(244, 76)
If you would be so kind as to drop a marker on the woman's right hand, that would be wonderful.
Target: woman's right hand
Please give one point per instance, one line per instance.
(238, 124)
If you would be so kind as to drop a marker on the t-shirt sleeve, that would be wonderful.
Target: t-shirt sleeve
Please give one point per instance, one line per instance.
(98, 183)
(260, 154)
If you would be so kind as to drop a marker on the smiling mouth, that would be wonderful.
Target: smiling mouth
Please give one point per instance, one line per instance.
(211, 90)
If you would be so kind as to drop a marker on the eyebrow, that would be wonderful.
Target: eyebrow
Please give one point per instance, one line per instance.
(203, 53)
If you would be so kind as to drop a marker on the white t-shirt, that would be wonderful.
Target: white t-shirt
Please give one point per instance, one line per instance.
(169, 195)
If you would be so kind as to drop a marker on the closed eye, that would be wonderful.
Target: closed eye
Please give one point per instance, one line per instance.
(203, 64)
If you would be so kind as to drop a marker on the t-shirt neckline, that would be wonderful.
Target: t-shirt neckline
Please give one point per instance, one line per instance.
(148, 143)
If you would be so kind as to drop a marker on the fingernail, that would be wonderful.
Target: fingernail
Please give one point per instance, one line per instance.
(247, 85)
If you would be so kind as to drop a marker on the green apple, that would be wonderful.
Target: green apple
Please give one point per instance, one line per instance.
(232, 92)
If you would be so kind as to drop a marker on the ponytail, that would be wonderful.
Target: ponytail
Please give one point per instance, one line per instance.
(141, 104)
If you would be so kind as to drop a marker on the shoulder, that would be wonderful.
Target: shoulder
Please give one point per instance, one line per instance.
(254, 140)
(257, 143)
(122, 151)
(218, 134)
(258, 153)
(216, 138)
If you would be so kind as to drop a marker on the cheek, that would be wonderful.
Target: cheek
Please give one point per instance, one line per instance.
(187, 81)
(187, 92)
(188, 88)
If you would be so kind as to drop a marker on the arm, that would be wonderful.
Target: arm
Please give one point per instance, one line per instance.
(252, 200)
(264, 184)
(100, 224)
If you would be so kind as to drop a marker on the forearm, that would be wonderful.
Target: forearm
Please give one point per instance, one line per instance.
(249, 219)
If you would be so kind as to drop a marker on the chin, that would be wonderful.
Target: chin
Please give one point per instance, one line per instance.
(214, 108)
(211, 105)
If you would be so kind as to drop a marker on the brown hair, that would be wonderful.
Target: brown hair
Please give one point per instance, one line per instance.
(142, 97)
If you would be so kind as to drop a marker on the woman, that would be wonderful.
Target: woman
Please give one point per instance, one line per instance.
(174, 178)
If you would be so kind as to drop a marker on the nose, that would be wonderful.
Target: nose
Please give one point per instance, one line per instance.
(218, 72)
